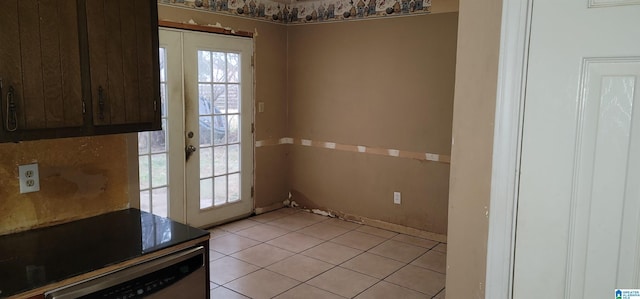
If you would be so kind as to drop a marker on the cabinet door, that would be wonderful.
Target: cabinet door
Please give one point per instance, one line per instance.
(123, 59)
(39, 65)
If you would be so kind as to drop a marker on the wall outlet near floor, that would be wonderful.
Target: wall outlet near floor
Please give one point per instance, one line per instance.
(397, 198)
(29, 178)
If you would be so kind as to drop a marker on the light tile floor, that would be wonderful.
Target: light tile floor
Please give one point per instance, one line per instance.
(290, 253)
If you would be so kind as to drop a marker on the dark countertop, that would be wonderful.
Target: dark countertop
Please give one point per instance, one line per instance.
(35, 258)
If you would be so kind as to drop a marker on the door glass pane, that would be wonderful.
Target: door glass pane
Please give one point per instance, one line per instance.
(220, 98)
(163, 95)
(219, 67)
(234, 128)
(206, 163)
(206, 193)
(234, 187)
(220, 186)
(221, 157)
(143, 143)
(220, 129)
(152, 156)
(233, 67)
(234, 157)
(204, 66)
(220, 163)
(145, 200)
(205, 105)
(145, 174)
(160, 202)
(233, 98)
(159, 170)
(159, 139)
(206, 130)
(163, 65)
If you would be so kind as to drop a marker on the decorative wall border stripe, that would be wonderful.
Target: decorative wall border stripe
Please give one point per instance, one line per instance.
(309, 11)
(446, 159)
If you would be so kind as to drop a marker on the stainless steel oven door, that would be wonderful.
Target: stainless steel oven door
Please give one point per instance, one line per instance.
(179, 275)
(189, 287)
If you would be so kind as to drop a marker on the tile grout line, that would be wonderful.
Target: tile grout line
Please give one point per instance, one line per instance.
(265, 268)
(407, 264)
(333, 266)
(438, 293)
(383, 279)
(265, 242)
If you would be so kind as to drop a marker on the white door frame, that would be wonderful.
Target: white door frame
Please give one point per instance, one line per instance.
(507, 140)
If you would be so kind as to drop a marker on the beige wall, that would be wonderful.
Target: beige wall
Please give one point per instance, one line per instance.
(79, 177)
(392, 80)
(394, 90)
(473, 122)
(271, 172)
(382, 83)
(441, 6)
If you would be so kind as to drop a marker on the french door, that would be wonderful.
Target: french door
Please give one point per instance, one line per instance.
(199, 169)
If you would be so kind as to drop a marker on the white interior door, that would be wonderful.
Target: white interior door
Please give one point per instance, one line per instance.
(219, 116)
(578, 221)
(207, 108)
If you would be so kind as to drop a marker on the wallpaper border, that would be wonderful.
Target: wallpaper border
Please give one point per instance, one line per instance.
(303, 12)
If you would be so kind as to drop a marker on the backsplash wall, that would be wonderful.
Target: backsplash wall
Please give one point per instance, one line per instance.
(79, 178)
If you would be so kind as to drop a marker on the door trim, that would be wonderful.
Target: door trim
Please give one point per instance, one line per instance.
(507, 140)
(205, 29)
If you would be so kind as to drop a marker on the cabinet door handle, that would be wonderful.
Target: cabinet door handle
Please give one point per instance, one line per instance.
(101, 102)
(12, 115)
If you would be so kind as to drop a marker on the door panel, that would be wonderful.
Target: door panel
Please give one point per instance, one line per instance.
(606, 190)
(578, 216)
(597, 3)
(219, 111)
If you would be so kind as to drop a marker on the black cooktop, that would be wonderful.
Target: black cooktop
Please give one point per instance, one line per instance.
(39, 257)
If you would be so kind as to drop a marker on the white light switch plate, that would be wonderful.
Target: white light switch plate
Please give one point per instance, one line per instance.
(29, 178)
(397, 198)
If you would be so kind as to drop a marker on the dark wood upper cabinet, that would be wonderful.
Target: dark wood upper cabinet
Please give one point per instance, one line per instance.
(78, 67)
(40, 65)
(122, 38)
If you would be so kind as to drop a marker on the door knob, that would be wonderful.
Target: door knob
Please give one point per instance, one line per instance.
(189, 151)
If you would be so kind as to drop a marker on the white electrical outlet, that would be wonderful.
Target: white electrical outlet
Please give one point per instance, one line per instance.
(260, 107)
(29, 178)
(397, 198)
